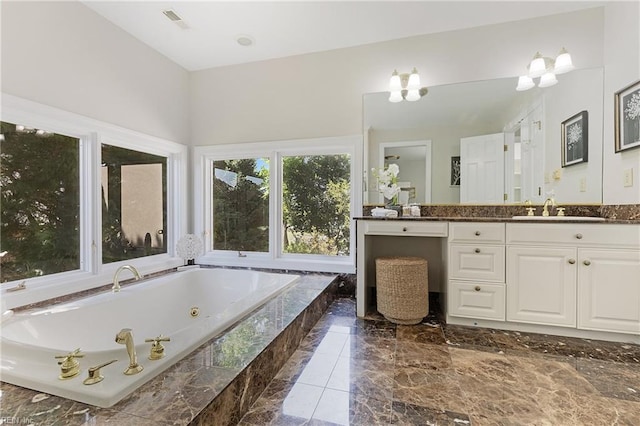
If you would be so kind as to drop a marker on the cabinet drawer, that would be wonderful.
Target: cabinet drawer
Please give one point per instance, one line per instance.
(476, 262)
(472, 232)
(406, 227)
(476, 300)
(575, 234)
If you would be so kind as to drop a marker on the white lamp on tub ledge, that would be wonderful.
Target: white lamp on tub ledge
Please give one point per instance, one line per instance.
(405, 86)
(188, 248)
(546, 69)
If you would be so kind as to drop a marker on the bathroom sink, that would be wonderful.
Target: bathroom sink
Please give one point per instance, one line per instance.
(560, 218)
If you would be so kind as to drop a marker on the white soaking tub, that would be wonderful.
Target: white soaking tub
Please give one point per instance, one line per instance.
(189, 307)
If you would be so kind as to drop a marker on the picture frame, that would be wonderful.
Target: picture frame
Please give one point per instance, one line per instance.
(455, 171)
(575, 139)
(627, 117)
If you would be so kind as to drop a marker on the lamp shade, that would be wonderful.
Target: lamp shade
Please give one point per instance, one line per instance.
(547, 80)
(563, 62)
(525, 83)
(395, 96)
(413, 95)
(394, 83)
(537, 67)
(414, 81)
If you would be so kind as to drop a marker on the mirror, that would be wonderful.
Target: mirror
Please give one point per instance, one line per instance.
(451, 116)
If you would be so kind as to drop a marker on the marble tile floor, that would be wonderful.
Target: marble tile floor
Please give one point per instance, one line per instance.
(350, 371)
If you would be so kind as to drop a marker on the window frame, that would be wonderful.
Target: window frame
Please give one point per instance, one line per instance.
(203, 158)
(92, 134)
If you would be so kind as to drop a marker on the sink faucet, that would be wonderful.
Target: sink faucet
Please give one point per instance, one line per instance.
(125, 337)
(116, 281)
(548, 202)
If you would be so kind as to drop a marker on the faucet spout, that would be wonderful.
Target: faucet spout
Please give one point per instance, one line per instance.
(548, 202)
(116, 280)
(125, 337)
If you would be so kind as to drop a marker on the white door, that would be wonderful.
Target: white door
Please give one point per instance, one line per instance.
(532, 156)
(482, 169)
(541, 285)
(609, 290)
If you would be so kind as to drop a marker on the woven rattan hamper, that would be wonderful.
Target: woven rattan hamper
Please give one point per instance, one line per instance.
(402, 289)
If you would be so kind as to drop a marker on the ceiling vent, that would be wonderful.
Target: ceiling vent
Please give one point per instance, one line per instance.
(175, 18)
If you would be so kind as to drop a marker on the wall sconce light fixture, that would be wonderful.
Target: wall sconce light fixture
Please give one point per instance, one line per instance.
(406, 86)
(546, 69)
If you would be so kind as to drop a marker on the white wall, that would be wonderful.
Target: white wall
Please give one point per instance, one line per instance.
(622, 67)
(320, 94)
(64, 55)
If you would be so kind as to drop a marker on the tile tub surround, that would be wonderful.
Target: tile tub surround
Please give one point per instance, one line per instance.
(213, 385)
(630, 212)
(373, 372)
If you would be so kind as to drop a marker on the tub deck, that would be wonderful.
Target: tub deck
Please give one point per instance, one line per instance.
(215, 384)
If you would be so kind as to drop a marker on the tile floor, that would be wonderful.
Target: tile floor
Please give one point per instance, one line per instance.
(351, 371)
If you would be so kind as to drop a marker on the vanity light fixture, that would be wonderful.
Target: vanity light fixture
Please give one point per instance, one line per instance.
(546, 69)
(406, 86)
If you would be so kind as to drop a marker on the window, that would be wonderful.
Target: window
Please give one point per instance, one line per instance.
(80, 198)
(241, 204)
(284, 204)
(40, 205)
(134, 204)
(316, 193)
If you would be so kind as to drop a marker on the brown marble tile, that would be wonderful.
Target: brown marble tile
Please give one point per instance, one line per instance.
(376, 349)
(436, 390)
(426, 356)
(611, 379)
(470, 337)
(411, 415)
(421, 333)
(381, 329)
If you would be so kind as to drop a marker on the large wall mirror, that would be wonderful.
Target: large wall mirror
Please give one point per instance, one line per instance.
(510, 146)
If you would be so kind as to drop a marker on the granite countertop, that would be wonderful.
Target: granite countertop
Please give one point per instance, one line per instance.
(535, 219)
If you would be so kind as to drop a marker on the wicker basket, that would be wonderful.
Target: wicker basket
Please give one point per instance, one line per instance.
(402, 289)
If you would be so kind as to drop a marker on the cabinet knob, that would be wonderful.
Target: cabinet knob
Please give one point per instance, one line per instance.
(404, 229)
(579, 236)
(477, 288)
(477, 250)
(477, 233)
(586, 262)
(572, 261)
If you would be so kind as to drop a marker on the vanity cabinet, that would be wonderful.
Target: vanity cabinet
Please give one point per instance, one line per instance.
(476, 270)
(574, 275)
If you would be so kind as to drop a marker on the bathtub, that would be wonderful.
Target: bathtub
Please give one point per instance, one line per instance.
(189, 307)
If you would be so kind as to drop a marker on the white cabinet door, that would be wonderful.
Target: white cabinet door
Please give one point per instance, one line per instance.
(541, 285)
(609, 290)
(482, 169)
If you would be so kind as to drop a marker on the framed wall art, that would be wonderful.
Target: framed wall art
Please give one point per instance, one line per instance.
(627, 117)
(455, 171)
(575, 139)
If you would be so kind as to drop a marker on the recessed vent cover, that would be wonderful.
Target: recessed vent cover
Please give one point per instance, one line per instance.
(171, 15)
(175, 18)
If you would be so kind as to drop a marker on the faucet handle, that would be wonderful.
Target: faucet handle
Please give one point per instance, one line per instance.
(94, 373)
(560, 211)
(531, 211)
(69, 366)
(157, 350)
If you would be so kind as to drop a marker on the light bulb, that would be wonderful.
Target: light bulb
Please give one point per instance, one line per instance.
(525, 83)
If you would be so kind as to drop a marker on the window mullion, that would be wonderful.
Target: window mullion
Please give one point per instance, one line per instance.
(275, 205)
